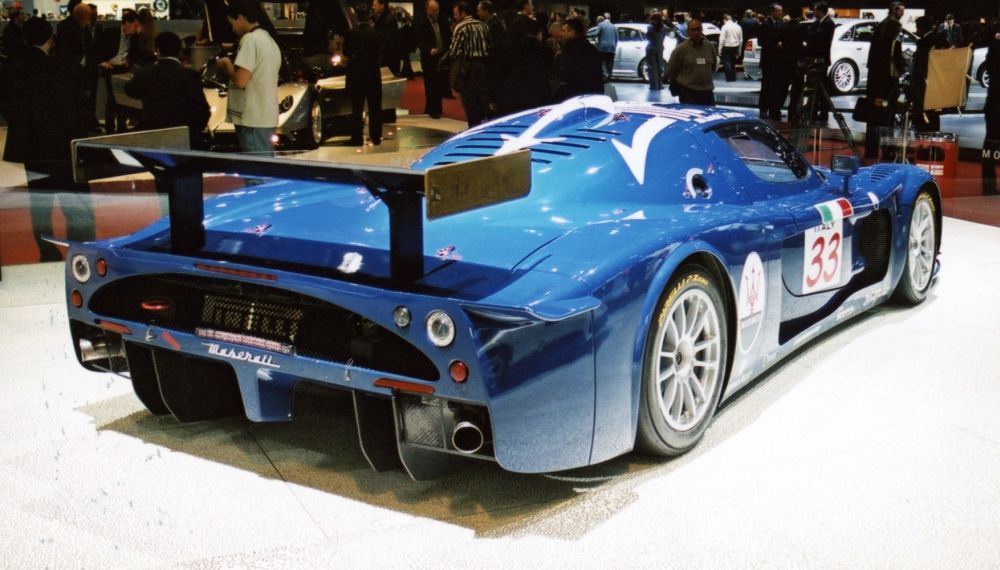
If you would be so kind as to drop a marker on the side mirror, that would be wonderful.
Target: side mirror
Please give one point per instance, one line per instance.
(846, 166)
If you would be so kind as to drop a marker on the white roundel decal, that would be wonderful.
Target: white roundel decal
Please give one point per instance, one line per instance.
(689, 190)
(751, 301)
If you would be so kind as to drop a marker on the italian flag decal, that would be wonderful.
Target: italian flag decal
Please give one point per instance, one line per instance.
(835, 210)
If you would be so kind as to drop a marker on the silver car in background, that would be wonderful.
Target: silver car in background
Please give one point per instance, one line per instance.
(849, 54)
(630, 56)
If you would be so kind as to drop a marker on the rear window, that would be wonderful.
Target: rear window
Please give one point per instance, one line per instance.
(764, 152)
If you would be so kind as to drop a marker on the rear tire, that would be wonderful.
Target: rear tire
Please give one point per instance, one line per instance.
(316, 131)
(643, 71)
(921, 252)
(684, 365)
(844, 77)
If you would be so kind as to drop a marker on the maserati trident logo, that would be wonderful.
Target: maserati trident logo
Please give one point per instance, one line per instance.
(753, 288)
(752, 297)
(241, 355)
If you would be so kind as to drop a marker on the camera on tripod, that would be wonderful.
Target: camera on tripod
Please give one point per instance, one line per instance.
(811, 68)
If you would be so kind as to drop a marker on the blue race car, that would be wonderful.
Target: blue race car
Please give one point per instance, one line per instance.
(547, 291)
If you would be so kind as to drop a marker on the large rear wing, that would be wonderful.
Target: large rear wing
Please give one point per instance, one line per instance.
(178, 171)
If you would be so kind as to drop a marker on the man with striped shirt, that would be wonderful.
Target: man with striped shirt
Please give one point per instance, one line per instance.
(470, 46)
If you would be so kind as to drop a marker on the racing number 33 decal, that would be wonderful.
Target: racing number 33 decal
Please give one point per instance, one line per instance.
(824, 247)
(824, 252)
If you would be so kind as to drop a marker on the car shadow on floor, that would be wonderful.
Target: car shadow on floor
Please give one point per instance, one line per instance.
(320, 450)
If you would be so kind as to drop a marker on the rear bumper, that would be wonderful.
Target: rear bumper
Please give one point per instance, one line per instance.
(530, 386)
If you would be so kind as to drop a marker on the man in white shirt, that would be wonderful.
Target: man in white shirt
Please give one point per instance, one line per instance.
(252, 105)
(730, 42)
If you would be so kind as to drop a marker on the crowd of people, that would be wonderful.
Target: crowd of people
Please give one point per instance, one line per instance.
(48, 96)
(794, 51)
(496, 63)
(504, 63)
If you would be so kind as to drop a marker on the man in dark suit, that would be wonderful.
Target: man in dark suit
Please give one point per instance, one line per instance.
(37, 101)
(171, 94)
(13, 36)
(111, 52)
(819, 41)
(776, 63)
(72, 33)
(885, 66)
(433, 39)
(579, 66)
(74, 39)
(384, 23)
(363, 50)
(951, 31)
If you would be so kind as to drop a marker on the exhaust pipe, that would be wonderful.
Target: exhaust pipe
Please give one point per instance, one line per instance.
(467, 437)
(98, 350)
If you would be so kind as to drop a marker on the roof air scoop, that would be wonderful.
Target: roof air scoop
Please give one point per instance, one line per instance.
(558, 119)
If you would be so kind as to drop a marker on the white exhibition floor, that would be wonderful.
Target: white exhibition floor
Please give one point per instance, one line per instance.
(878, 446)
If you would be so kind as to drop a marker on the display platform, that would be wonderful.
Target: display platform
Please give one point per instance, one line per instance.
(878, 445)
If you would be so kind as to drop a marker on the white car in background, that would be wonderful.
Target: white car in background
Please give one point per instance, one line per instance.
(979, 66)
(849, 54)
(630, 57)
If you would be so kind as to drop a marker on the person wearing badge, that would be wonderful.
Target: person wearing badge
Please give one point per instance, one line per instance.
(691, 68)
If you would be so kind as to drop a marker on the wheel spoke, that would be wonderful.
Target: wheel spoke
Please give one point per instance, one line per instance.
(669, 356)
(676, 401)
(702, 364)
(706, 344)
(925, 258)
(697, 389)
(667, 375)
(672, 336)
(667, 390)
(699, 322)
(681, 319)
(689, 399)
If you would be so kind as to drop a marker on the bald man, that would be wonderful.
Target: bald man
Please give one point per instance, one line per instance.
(433, 37)
(74, 38)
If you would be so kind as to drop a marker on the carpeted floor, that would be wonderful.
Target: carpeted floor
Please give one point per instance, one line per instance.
(415, 102)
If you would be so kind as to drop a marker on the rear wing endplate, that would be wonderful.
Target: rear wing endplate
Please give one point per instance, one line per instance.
(178, 171)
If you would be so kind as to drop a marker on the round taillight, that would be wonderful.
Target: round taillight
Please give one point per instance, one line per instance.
(401, 316)
(76, 298)
(459, 371)
(440, 328)
(80, 267)
(101, 266)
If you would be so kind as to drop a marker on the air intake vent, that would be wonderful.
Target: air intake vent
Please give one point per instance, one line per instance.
(882, 171)
(563, 145)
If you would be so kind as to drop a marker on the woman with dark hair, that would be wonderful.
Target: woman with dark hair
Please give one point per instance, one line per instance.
(251, 8)
(144, 44)
(655, 34)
